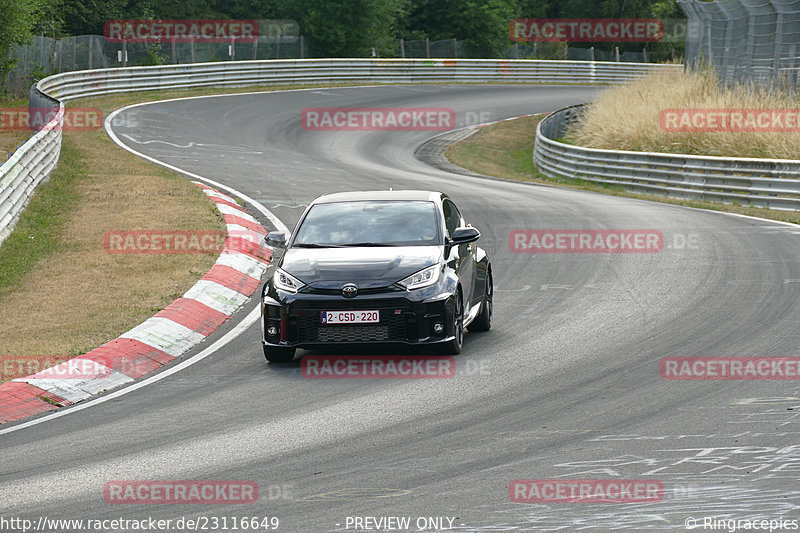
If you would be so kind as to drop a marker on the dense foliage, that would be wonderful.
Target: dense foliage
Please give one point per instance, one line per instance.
(335, 28)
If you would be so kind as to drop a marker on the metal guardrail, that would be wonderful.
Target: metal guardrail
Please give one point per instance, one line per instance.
(770, 183)
(32, 162)
(243, 73)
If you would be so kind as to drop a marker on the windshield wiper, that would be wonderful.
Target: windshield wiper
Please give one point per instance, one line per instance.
(356, 244)
(315, 245)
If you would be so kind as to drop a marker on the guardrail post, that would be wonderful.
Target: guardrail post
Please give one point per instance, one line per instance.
(302, 49)
(427, 48)
(616, 53)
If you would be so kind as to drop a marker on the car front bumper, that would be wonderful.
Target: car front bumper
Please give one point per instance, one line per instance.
(406, 317)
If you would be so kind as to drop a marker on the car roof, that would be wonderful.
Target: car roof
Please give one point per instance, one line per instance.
(357, 196)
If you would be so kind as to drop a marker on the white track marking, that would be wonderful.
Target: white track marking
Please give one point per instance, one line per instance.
(240, 328)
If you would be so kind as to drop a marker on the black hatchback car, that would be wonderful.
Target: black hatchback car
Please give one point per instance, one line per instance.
(374, 267)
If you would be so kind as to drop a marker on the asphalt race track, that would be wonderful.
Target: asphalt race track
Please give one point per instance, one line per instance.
(565, 386)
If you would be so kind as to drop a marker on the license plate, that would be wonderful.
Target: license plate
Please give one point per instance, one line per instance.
(350, 317)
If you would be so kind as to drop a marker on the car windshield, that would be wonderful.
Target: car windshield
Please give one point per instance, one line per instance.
(370, 223)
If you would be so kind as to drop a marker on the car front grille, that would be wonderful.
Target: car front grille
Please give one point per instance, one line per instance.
(366, 333)
(393, 325)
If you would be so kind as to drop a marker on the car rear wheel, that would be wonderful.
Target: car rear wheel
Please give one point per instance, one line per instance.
(278, 355)
(483, 322)
(453, 347)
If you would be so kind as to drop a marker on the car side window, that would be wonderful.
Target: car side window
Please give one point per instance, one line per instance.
(452, 218)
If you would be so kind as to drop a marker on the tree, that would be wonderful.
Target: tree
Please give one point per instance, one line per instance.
(244, 9)
(674, 19)
(668, 9)
(531, 9)
(50, 21)
(345, 28)
(87, 17)
(183, 9)
(17, 20)
(482, 25)
(602, 9)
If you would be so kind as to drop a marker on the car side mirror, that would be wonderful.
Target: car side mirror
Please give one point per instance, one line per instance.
(276, 239)
(465, 235)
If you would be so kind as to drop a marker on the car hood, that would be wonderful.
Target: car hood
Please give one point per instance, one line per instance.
(368, 267)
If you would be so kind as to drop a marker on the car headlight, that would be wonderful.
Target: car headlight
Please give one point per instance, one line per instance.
(424, 278)
(286, 282)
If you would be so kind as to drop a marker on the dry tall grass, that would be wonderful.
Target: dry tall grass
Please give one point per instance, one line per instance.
(627, 118)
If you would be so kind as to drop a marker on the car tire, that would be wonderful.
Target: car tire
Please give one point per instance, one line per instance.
(278, 355)
(453, 347)
(483, 322)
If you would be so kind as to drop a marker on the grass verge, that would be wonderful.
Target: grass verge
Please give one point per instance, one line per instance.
(628, 117)
(505, 150)
(61, 293)
(10, 140)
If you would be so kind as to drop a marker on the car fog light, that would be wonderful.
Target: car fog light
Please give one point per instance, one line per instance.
(272, 330)
(438, 327)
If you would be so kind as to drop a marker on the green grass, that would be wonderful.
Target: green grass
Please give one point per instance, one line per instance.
(39, 230)
(13, 102)
(505, 150)
(49, 400)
